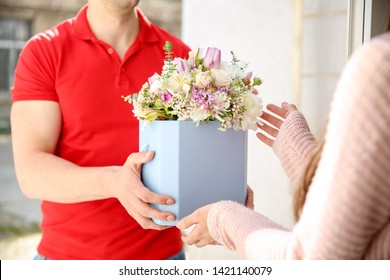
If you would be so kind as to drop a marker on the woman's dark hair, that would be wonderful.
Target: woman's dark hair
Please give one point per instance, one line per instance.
(388, 24)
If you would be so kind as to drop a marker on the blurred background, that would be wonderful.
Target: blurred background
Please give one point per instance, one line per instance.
(298, 48)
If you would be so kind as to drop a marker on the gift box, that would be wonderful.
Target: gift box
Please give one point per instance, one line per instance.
(196, 165)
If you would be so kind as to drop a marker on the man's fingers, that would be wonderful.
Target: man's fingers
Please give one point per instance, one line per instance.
(148, 211)
(146, 195)
(250, 198)
(146, 223)
(137, 159)
(144, 214)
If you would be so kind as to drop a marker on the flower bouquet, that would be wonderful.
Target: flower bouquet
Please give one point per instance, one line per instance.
(200, 89)
(195, 116)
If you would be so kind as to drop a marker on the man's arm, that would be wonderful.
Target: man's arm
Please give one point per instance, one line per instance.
(36, 127)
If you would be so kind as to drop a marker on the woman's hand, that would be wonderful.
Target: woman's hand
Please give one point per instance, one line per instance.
(273, 122)
(200, 235)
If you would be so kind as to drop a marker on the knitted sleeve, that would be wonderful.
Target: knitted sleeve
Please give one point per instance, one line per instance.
(294, 145)
(347, 209)
(232, 225)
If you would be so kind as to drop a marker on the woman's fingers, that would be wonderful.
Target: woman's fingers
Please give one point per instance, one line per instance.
(277, 110)
(289, 107)
(274, 121)
(269, 129)
(265, 139)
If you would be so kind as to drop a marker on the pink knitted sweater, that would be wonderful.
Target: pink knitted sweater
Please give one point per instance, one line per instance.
(347, 210)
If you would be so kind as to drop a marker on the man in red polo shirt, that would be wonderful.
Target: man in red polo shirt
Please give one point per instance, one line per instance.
(75, 140)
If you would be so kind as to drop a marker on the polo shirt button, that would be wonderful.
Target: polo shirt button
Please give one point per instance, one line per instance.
(110, 50)
(122, 70)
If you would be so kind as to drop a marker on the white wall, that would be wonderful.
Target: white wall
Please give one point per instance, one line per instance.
(324, 54)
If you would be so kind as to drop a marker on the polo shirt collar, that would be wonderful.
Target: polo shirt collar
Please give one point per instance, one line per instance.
(82, 30)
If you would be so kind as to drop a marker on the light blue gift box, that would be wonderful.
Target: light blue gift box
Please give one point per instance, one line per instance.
(196, 165)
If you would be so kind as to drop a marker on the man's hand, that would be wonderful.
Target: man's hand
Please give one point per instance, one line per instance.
(249, 202)
(136, 198)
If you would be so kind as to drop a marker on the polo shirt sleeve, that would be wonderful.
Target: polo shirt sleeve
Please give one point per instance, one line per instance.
(181, 49)
(35, 72)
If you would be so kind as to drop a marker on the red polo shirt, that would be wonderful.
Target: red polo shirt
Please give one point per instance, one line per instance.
(69, 65)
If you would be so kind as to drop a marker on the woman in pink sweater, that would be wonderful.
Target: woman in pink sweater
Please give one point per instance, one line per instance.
(346, 212)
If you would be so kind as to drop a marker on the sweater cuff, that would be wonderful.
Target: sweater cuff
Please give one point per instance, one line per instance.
(230, 224)
(294, 145)
(220, 218)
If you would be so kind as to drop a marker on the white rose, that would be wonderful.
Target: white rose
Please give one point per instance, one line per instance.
(173, 85)
(253, 110)
(203, 80)
(222, 78)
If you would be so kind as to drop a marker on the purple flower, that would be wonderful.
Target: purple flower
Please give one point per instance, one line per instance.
(208, 101)
(182, 65)
(212, 58)
(167, 96)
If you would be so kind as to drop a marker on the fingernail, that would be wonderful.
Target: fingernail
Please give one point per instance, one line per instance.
(284, 103)
(178, 225)
(170, 201)
(148, 153)
(170, 218)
